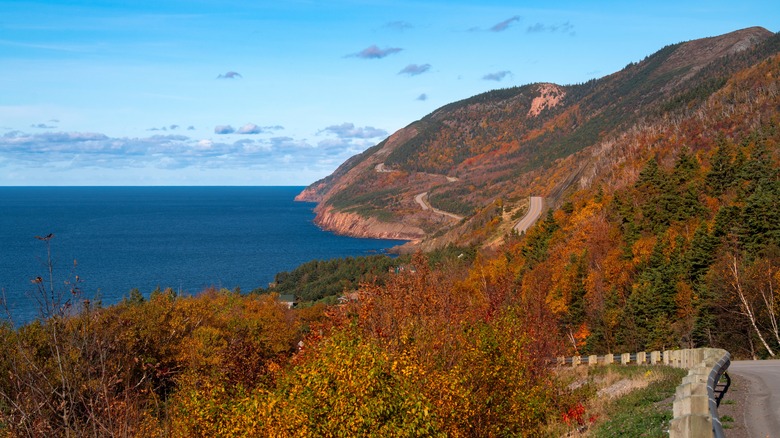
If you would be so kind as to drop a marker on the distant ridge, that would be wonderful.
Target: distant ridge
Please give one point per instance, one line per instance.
(533, 140)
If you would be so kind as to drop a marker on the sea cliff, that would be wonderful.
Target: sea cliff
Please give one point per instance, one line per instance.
(355, 225)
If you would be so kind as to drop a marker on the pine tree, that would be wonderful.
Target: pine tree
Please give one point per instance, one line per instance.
(701, 253)
(722, 172)
(761, 217)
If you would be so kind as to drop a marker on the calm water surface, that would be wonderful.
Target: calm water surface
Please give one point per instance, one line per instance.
(187, 238)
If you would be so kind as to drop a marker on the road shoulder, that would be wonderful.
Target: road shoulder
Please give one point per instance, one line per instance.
(732, 407)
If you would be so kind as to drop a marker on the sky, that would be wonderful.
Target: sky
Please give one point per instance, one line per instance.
(227, 92)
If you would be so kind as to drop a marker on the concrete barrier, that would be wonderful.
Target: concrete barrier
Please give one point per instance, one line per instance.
(695, 407)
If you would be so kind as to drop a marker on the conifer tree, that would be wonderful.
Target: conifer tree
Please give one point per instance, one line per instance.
(722, 172)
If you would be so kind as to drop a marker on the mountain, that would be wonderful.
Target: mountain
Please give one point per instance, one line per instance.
(464, 173)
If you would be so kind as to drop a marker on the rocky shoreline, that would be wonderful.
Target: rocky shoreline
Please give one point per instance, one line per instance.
(355, 225)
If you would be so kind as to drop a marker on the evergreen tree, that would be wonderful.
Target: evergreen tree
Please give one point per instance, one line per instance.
(535, 250)
(701, 253)
(761, 217)
(722, 172)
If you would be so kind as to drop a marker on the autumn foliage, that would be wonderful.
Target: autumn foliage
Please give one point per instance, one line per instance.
(666, 235)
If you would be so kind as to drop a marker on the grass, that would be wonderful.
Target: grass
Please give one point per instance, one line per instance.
(644, 412)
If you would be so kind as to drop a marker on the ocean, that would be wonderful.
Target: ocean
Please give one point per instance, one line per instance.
(186, 238)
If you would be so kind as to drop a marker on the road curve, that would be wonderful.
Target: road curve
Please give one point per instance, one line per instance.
(762, 404)
(533, 213)
(422, 200)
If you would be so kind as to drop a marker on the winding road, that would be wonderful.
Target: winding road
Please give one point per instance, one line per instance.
(534, 206)
(422, 200)
(533, 213)
(762, 405)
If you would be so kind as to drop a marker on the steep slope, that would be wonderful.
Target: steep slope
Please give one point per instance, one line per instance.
(481, 158)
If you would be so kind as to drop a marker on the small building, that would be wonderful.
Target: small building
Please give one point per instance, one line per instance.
(288, 300)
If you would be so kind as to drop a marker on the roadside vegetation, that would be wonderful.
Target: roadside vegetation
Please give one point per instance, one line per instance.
(645, 411)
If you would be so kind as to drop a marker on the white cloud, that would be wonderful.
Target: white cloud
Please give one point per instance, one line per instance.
(63, 156)
(414, 69)
(249, 128)
(349, 130)
(497, 76)
(224, 129)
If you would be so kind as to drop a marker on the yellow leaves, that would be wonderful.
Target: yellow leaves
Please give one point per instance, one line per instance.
(643, 248)
(348, 387)
(684, 300)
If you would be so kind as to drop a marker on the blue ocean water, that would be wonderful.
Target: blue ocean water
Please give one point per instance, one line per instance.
(186, 238)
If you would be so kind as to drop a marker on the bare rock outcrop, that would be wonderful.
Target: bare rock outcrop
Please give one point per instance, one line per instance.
(355, 225)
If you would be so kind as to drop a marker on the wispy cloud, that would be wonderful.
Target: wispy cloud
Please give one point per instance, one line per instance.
(42, 126)
(566, 27)
(414, 69)
(230, 75)
(247, 129)
(349, 130)
(165, 128)
(422, 97)
(504, 25)
(223, 129)
(398, 25)
(71, 48)
(497, 76)
(374, 52)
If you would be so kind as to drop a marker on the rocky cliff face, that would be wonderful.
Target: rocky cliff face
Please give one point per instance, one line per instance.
(355, 225)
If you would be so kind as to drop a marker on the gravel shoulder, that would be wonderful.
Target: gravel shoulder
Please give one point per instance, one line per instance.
(756, 394)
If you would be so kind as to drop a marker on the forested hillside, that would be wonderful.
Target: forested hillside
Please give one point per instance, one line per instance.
(534, 140)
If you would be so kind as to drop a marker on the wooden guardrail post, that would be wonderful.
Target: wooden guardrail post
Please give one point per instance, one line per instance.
(593, 360)
(609, 359)
(625, 358)
(641, 358)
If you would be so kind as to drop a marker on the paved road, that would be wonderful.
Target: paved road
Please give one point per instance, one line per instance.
(762, 406)
(382, 169)
(534, 211)
(422, 200)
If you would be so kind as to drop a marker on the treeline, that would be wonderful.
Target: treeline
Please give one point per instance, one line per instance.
(318, 279)
(326, 280)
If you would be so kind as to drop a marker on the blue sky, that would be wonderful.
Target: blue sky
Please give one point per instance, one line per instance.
(207, 92)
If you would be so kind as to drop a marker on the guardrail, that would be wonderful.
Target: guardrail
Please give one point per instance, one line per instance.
(695, 403)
